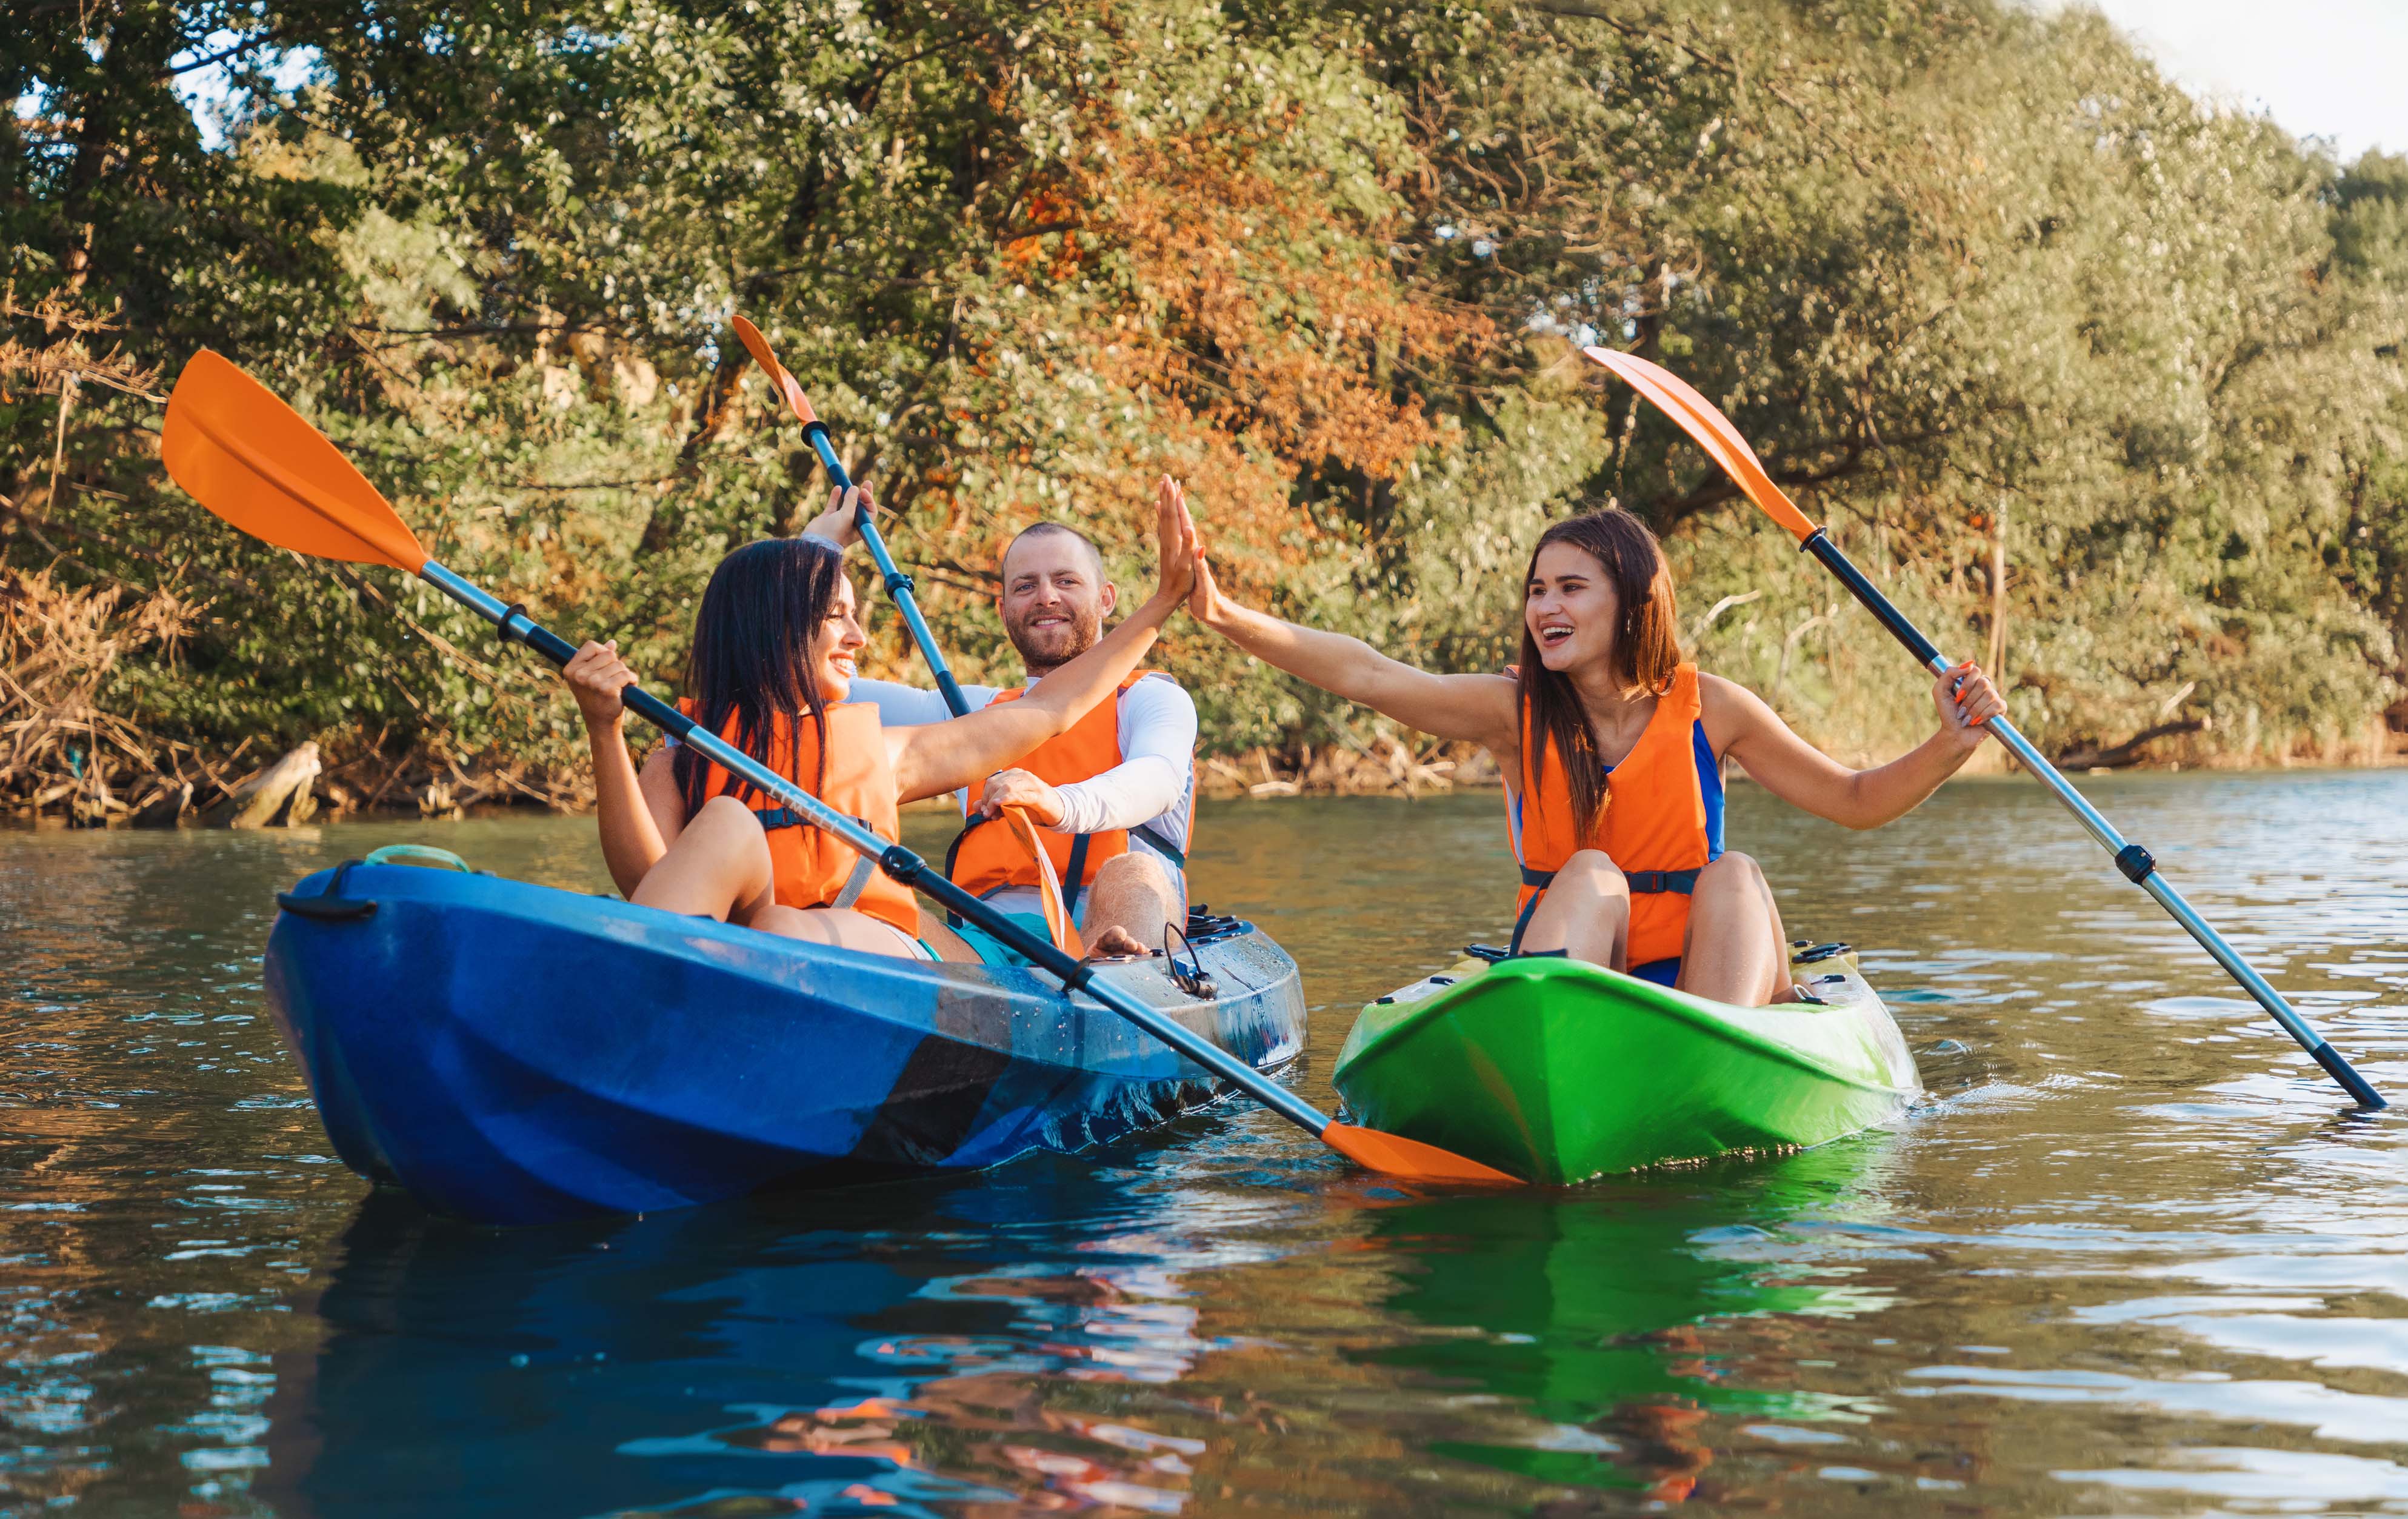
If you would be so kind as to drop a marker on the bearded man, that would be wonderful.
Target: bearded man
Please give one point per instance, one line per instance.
(1115, 796)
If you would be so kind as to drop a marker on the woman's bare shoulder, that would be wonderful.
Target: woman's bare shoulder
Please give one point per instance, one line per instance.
(1730, 711)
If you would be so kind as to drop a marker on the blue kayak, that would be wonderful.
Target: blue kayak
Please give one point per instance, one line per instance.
(512, 1053)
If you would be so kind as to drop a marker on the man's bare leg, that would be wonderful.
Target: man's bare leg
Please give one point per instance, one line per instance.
(1131, 904)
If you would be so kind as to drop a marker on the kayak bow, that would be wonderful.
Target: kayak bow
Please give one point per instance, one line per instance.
(1557, 1070)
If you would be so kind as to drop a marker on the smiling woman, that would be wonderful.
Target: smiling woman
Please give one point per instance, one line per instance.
(1616, 747)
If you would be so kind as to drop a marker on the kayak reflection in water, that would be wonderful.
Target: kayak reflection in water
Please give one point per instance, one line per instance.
(772, 669)
(1612, 747)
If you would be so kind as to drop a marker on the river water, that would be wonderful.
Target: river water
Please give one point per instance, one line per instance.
(2133, 1258)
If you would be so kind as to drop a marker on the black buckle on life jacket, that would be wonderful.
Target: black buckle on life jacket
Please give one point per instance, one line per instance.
(1641, 883)
(1656, 882)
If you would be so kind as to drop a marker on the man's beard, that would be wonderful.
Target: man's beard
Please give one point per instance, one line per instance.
(1046, 648)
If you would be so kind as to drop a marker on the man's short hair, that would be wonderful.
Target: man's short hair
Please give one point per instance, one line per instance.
(1094, 555)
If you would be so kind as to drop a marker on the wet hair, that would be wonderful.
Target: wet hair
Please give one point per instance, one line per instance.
(1039, 530)
(752, 656)
(1645, 651)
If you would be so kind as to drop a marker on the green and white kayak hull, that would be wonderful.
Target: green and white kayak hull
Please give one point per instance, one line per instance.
(1559, 1071)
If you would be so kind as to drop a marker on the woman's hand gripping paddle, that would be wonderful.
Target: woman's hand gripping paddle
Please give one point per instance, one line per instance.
(251, 459)
(899, 585)
(1721, 441)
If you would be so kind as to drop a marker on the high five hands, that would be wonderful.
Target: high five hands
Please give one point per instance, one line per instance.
(1175, 543)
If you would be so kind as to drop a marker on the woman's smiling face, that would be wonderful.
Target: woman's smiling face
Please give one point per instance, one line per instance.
(1570, 608)
(835, 641)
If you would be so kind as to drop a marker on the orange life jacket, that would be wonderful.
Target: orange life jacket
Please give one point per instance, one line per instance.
(984, 860)
(1663, 821)
(814, 867)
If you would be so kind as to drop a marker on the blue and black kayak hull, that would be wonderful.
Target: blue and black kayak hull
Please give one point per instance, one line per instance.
(513, 1054)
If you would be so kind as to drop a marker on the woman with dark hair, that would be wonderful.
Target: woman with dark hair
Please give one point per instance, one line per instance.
(1612, 751)
(770, 670)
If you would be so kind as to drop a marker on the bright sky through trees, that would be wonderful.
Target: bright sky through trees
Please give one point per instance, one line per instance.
(2326, 68)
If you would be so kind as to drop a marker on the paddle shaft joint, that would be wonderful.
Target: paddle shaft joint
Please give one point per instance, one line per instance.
(2137, 863)
(899, 585)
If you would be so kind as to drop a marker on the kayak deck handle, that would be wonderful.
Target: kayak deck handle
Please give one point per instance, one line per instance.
(328, 903)
(425, 854)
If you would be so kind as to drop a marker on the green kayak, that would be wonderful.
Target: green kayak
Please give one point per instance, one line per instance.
(1559, 1071)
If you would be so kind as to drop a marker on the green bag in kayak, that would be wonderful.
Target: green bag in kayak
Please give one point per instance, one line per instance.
(1559, 1071)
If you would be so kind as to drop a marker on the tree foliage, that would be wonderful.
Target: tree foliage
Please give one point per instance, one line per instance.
(1949, 262)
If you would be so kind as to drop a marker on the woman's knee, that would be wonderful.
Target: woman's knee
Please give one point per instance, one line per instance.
(1732, 875)
(725, 813)
(1733, 871)
(1595, 870)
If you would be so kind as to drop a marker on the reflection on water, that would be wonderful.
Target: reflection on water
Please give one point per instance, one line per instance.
(2131, 1258)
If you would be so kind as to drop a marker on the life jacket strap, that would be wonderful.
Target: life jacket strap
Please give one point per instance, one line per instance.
(1643, 884)
(953, 852)
(1074, 880)
(1155, 841)
(1649, 882)
(773, 818)
(1522, 924)
(853, 883)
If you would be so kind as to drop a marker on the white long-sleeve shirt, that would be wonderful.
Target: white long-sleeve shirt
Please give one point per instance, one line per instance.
(1153, 784)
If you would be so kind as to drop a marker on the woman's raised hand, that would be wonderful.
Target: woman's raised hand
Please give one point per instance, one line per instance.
(1205, 603)
(1967, 699)
(595, 677)
(1175, 572)
(837, 524)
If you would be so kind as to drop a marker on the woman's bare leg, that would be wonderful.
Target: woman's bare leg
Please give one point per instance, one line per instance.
(842, 927)
(719, 866)
(1734, 950)
(1585, 912)
(938, 935)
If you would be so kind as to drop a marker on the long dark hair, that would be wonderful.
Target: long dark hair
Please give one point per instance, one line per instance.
(752, 656)
(1646, 648)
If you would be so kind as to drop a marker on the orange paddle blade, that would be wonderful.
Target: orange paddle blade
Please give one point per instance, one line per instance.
(253, 460)
(1392, 1154)
(1702, 420)
(1049, 885)
(786, 384)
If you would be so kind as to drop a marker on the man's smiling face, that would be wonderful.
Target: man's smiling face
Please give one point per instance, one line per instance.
(1055, 597)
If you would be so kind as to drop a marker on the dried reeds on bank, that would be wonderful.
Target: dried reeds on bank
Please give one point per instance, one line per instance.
(61, 748)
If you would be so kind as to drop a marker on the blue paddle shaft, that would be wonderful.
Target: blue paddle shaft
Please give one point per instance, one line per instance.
(905, 867)
(2138, 865)
(899, 585)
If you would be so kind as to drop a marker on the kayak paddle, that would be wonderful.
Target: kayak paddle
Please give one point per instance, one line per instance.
(899, 588)
(1722, 442)
(899, 585)
(253, 460)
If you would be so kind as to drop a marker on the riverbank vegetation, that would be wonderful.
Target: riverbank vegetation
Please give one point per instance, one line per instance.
(2103, 383)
